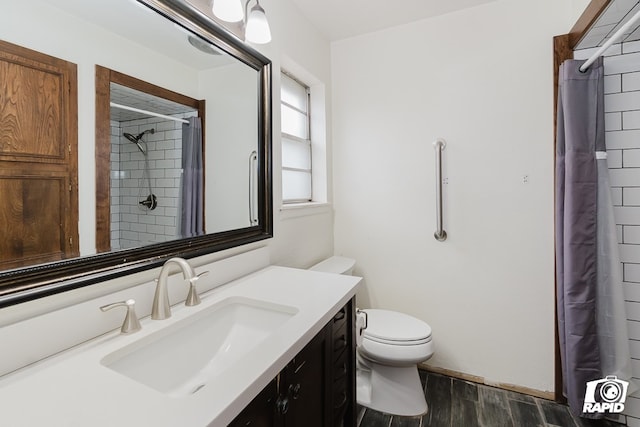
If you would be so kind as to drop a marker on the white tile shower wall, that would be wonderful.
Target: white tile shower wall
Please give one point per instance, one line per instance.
(115, 185)
(622, 109)
(135, 224)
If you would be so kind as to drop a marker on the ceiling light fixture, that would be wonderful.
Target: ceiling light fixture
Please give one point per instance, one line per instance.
(256, 26)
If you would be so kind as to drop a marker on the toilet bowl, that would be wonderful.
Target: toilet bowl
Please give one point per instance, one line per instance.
(390, 346)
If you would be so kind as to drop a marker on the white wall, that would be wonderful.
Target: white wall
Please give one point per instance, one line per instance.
(481, 79)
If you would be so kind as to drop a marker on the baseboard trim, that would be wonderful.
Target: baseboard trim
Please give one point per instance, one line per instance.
(549, 395)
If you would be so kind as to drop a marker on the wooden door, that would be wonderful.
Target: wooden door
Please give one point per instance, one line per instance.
(38, 158)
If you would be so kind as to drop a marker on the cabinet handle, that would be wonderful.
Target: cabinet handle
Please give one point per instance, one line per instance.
(341, 342)
(294, 391)
(299, 367)
(282, 405)
(340, 315)
(343, 400)
(343, 369)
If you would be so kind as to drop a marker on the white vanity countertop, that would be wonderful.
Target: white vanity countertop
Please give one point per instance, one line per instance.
(75, 389)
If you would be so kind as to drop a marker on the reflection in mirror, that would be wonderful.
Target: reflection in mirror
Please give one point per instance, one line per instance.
(132, 218)
(38, 162)
(155, 166)
(150, 191)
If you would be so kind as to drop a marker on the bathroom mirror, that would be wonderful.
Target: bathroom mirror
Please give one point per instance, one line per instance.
(156, 55)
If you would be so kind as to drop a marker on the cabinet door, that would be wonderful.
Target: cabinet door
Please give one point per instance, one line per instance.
(305, 384)
(317, 388)
(261, 412)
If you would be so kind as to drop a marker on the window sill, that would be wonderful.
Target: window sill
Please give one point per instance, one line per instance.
(295, 210)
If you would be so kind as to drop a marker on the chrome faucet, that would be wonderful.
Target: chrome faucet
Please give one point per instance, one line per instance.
(160, 308)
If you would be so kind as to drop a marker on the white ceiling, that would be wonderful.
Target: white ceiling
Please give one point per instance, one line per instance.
(339, 19)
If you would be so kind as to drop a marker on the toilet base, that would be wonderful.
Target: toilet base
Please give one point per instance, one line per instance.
(389, 389)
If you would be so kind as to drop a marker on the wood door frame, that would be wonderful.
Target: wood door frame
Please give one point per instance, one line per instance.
(563, 47)
(104, 78)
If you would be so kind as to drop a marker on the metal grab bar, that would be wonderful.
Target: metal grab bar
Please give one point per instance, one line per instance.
(440, 234)
(253, 172)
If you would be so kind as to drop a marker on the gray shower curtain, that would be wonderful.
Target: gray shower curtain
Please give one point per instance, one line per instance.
(590, 305)
(192, 188)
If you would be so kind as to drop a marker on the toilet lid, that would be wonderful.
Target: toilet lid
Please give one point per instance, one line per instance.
(394, 326)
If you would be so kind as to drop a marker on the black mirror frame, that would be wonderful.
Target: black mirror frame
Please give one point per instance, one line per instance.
(24, 284)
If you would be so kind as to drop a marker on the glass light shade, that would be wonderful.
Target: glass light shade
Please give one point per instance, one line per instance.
(228, 10)
(257, 30)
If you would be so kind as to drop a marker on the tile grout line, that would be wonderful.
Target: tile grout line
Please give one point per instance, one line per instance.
(360, 417)
(540, 412)
(451, 402)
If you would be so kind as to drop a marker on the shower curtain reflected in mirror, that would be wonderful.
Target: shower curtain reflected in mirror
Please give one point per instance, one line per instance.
(192, 186)
(591, 314)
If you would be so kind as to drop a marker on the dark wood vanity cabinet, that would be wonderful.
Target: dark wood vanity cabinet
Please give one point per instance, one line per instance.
(317, 388)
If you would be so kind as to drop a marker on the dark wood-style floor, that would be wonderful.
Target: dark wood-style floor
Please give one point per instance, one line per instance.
(457, 403)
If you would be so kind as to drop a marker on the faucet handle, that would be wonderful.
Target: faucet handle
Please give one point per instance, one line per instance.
(131, 323)
(192, 297)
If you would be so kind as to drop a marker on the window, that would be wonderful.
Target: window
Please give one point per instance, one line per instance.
(296, 141)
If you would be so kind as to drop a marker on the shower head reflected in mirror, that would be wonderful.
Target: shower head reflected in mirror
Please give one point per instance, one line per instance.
(136, 139)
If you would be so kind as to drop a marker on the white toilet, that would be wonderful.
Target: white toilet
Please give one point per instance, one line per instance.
(389, 349)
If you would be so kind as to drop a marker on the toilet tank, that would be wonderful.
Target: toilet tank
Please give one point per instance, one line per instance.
(336, 264)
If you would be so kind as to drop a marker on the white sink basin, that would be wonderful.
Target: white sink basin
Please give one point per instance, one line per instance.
(183, 358)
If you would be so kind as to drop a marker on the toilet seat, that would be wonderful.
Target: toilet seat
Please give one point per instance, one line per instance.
(392, 327)
(395, 338)
(397, 342)
(394, 354)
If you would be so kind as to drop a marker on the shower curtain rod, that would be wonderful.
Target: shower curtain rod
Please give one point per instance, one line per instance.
(150, 113)
(613, 39)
